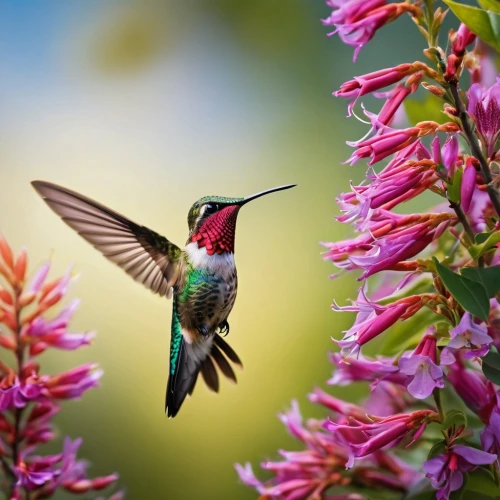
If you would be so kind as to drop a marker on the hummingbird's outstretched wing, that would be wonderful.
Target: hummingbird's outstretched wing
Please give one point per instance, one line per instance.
(145, 255)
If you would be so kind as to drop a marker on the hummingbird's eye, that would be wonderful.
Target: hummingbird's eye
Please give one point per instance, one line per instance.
(210, 208)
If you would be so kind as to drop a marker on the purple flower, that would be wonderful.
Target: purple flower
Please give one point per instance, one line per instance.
(421, 366)
(468, 334)
(446, 471)
(484, 107)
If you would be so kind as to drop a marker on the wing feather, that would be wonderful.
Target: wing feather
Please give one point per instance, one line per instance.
(146, 256)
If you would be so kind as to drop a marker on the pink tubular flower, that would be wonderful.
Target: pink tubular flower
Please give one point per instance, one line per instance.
(362, 369)
(41, 333)
(392, 186)
(422, 368)
(321, 466)
(390, 141)
(389, 239)
(484, 107)
(72, 384)
(357, 22)
(366, 84)
(382, 432)
(27, 397)
(371, 323)
(446, 471)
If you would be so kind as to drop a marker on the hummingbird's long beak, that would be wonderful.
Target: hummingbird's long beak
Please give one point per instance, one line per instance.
(262, 193)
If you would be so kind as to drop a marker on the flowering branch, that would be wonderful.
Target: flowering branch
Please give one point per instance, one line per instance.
(428, 290)
(28, 399)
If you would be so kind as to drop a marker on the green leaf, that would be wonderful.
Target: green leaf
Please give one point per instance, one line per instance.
(454, 417)
(482, 237)
(491, 366)
(492, 358)
(437, 449)
(469, 294)
(492, 239)
(428, 109)
(489, 277)
(485, 24)
(482, 481)
(491, 5)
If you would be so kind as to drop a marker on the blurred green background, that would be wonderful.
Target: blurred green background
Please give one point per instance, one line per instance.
(147, 106)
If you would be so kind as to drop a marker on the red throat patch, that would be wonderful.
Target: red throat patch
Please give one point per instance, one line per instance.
(217, 232)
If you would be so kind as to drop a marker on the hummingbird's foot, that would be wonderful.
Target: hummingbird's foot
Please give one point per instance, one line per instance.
(224, 328)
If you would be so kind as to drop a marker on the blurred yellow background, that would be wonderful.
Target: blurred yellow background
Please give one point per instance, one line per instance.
(146, 107)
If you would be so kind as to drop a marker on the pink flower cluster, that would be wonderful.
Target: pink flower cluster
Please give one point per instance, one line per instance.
(428, 303)
(29, 399)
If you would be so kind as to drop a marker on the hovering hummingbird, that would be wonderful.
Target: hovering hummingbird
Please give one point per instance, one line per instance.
(201, 277)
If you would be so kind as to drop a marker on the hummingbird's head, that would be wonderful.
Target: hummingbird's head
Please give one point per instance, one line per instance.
(212, 220)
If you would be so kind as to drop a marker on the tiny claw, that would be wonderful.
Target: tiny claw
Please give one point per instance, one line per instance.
(224, 328)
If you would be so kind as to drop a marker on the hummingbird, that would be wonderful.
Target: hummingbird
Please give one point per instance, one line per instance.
(200, 278)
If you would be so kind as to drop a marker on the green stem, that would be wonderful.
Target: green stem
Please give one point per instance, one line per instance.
(463, 220)
(475, 147)
(437, 398)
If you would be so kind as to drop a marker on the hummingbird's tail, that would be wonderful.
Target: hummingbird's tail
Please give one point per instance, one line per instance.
(192, 359)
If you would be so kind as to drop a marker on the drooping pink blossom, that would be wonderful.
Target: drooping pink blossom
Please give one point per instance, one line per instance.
(356, 24)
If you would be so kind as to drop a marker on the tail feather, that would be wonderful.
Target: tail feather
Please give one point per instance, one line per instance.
(227, 350)
(188, 366)
(222, 363)
(209, 374)
(181, 382)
